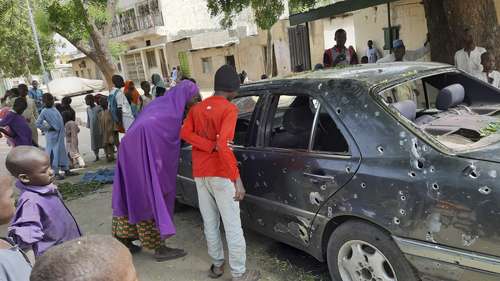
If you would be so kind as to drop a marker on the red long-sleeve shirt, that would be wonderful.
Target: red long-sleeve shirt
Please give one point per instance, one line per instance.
(211, 124)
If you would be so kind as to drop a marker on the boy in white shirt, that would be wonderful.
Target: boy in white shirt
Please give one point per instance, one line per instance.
(468, 59)
(489, 75)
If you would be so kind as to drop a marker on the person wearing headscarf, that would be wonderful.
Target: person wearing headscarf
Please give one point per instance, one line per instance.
(31, 112)
(133, 97)
(159, 87)
(144, 186)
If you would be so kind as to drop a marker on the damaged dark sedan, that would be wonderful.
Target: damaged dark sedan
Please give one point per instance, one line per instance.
(385, 172)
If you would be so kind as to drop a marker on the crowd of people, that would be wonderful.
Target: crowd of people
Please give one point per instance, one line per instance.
(472, 59)
(44, 237)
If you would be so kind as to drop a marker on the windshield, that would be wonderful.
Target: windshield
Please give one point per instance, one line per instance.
(455, 109)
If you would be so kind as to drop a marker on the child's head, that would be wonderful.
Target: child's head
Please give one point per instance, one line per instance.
(7, 207)
(20, 106)
(98, 257)
(67, 116)
(48, 100)
(30, 165)
(146, 87)
(364, 59)
(89, 99)
(103, 102)
(23, 90)
(488, 61)
(66, 101)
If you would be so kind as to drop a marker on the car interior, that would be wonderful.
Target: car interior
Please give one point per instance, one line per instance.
(459, 111)
(293, 123)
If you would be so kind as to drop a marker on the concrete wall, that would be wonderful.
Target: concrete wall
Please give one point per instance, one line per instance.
(368, 24)
(332, 24)
(408, 14)
(316, 41)
(89, 71)
(173, 49)
(218, 57)
(251, 56)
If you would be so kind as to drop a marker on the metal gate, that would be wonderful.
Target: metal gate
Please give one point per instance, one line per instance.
(300, 54)
(135, 70)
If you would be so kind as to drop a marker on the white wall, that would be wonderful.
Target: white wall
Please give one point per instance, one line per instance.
(331, 25)
(408, 14)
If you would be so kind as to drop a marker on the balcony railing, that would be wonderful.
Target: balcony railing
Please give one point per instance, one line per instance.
(128, 24)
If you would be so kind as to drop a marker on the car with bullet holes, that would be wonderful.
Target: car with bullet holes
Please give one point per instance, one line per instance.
(387, 172)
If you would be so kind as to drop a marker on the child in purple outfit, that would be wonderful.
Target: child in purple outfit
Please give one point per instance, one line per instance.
(42, 220)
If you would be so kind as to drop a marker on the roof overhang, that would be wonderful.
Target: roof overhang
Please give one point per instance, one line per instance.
(334, 9)
(138, 50)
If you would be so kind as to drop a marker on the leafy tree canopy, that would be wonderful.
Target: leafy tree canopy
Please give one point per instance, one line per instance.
(266, 12)
(18, 54)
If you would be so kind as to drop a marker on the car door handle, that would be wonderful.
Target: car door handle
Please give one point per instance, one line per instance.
(319, 177)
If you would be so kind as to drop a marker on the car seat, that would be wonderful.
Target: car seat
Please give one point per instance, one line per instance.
(407, 108)
(448, 98)
(297, 125)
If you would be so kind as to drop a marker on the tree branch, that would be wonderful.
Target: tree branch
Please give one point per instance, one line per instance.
(111, 11)
(84, 48)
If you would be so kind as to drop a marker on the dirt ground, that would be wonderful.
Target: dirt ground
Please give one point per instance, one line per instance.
(276, 261)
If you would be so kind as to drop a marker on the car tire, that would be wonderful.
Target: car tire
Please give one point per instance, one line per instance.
(367, 253)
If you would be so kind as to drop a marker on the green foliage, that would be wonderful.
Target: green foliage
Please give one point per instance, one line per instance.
(116, 49)
(18, 55)
(300, 6)
(67, 18)
(266, 12)
(70, 191)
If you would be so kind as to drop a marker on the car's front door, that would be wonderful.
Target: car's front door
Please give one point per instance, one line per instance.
(249, 107)
(303, 159)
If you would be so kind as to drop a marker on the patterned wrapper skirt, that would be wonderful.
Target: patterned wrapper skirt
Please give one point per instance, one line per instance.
(144, 231)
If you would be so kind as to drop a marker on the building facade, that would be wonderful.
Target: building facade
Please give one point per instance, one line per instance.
(84, 67)
(146, 26)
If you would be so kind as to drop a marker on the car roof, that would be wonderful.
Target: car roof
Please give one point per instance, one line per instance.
(372, 74)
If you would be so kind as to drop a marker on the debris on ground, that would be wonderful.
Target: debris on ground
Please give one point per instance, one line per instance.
(103, 176)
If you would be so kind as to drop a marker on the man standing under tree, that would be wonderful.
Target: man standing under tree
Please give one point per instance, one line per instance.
(36, 94)
(468, 59)
(209, 127)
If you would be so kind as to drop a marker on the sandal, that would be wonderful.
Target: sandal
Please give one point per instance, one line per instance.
(216, 271)
(165, 253)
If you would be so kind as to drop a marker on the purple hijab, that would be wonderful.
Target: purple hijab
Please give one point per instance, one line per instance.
(146, 170)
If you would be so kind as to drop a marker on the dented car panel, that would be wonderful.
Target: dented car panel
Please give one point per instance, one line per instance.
(427, 196)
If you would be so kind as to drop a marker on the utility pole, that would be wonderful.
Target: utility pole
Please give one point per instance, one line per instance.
(37, 43)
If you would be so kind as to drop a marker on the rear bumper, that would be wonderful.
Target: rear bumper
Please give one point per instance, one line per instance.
(439, 263)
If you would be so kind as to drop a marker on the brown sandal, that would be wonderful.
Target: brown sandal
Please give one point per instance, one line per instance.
(216, 271)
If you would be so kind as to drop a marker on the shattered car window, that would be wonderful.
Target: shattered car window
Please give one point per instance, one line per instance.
(456, 110)
(246, 104)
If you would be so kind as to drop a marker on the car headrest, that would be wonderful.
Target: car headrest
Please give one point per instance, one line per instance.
(450, 96)
(407, 108)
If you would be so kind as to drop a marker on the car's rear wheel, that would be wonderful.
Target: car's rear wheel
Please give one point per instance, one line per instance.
(359, 251)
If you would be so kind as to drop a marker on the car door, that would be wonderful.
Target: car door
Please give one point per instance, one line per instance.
(249, 106)
(295, 165)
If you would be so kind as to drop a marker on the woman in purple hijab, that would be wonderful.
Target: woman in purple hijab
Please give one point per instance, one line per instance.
(146, 170)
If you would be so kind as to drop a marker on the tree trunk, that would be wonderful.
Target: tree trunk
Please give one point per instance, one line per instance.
(269, 54)
(103, 55)
(446, 20)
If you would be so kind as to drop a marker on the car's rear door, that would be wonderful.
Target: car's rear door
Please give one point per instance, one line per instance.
(301, 160)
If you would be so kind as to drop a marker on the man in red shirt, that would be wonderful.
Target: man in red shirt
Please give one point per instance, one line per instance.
(210, 127)
(339, 55)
